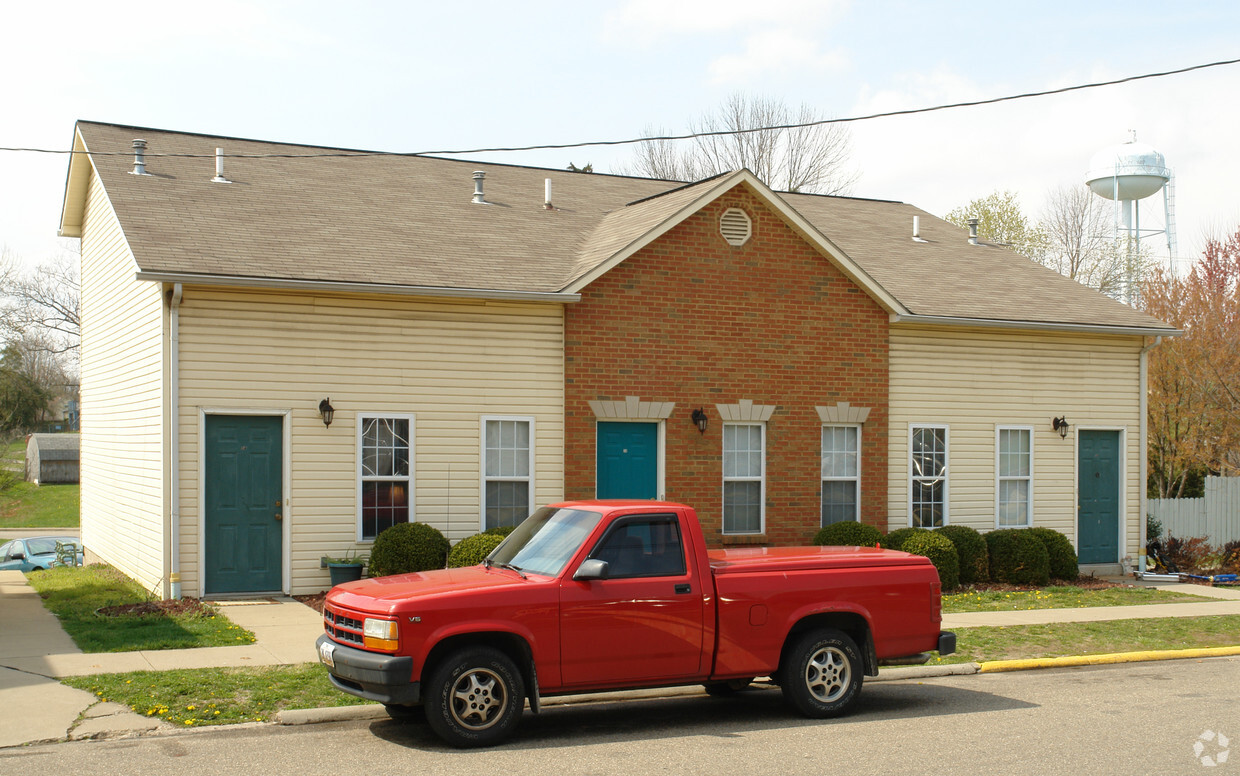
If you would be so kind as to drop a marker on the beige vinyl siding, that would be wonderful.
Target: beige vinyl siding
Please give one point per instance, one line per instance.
(122, 401)
(976, 380)
(446, 363)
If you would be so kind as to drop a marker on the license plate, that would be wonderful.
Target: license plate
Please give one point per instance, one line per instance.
(327, 652)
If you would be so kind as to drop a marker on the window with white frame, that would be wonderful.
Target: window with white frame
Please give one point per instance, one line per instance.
(841, 473)
(743, 474)
(385, 472)
(928, 476)
(507, 471)
(1014, 474)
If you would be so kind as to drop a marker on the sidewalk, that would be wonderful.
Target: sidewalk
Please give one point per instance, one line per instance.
(34, 651)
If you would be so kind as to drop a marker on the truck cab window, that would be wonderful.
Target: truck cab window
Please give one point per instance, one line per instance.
(643, 547)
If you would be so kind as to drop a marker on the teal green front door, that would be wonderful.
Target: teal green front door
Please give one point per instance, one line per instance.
(1099, 508)
(628, 460)
(244, 497)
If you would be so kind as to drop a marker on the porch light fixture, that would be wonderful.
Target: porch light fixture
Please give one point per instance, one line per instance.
(1060, 424)
(327, 411)
(699, 419)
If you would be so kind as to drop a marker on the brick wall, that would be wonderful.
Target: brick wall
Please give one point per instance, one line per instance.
(695, 321)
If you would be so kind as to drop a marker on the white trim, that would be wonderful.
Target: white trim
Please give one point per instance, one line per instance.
(745, 411)
(856, 479)
(761, 479)
(660, 484)
(292, 284)
(947, 469)
(842, 414)
(999, 323)
(632, 408)
(1029, 519)
(359, 423)
(286, 477)
(482, 464)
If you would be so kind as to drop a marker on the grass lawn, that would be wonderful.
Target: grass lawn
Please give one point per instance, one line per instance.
(26, 505)
(74, 594)
(217, 696)
(1059, 597)
(975, 645)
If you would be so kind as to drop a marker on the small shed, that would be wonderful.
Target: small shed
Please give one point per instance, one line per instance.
(52, 458)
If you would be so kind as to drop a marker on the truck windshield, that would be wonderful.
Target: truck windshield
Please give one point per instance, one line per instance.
(546, 540)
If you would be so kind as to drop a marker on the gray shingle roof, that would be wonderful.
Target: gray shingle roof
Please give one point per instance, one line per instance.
(56, 447)
(409, 221)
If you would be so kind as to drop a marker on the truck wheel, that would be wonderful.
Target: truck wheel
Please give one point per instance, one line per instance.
(821, 674)
(475, 697)
(726, 688)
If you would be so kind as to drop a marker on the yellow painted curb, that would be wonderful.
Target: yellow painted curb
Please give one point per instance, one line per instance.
(995, 666)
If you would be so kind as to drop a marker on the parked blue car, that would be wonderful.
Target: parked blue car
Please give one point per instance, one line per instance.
(36, 552)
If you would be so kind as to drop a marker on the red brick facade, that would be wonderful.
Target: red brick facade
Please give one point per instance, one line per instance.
(692, 320)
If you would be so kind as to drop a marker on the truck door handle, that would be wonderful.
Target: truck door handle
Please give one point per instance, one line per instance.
(684, 587)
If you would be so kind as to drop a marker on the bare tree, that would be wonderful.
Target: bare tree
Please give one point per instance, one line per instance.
(41, 306)
(763, 135)
(1080, 244)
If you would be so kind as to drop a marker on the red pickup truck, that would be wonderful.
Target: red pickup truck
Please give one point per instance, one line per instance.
(608, 595)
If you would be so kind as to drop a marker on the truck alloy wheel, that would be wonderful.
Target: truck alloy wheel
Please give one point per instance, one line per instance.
(821, 676)
(475, 697)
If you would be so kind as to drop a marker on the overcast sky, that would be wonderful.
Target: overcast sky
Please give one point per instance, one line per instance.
(414, 76)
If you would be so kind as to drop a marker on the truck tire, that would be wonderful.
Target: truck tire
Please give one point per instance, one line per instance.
(475, 697)
(821, 673)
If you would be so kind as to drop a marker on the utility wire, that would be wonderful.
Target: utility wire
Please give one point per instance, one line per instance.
(657, 138)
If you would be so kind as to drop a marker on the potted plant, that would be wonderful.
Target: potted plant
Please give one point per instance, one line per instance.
(345, 569)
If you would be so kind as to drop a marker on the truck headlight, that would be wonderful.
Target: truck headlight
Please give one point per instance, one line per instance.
(380, 634)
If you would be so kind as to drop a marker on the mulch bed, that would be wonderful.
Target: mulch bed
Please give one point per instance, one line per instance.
(190, 607)
(315, 601)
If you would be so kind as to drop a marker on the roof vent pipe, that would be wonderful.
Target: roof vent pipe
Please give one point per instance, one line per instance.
(973, 231)
(916, 227)
(547, 194)
(479, 176)
(219, 167)
(139, 157)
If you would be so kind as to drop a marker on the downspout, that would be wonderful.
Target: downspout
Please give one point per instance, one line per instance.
(1145, 455)
(174, 436)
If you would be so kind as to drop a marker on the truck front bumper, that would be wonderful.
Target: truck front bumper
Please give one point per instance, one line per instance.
(375, 677)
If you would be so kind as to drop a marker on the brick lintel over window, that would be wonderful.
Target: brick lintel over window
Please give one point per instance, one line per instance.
(842, 412)
(632, 408)
(745, 411)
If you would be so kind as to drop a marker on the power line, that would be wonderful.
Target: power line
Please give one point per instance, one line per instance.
(656, 138)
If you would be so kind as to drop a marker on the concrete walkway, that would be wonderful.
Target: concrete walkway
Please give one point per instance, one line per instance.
(34, 651)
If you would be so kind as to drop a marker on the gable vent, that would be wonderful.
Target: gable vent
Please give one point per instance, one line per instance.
(735, 226)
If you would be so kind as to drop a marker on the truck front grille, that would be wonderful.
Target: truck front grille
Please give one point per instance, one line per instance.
(341, 626)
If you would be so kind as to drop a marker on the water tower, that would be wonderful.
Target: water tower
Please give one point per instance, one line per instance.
(1126, 174)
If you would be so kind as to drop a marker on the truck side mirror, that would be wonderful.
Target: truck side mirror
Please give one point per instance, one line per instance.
(593, 568)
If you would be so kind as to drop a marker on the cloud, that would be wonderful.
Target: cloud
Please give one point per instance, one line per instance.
(651, 21)
(774, 51)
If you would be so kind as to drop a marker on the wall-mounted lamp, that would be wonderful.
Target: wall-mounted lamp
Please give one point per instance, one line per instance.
(1061, 425)
(327, 411)
(699, 419)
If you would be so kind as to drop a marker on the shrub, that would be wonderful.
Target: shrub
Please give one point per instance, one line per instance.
(500, 531)
(1193, 555)
(1017, 557)
(941, 552)
(896, 539)
(847, 533)
(472, 550)
(1231, 557)
(971, 547)
(407, 547)
(1060, 553)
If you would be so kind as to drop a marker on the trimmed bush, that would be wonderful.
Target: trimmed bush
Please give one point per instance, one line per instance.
(1017, 557)
(971, 548)
(895, 540)
(472, 550)
(1059, 549)
(407, 547)
(941, 552)
(848, 533)
(500, 531)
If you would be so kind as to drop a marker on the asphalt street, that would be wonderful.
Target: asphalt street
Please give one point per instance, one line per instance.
(1127, 719)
